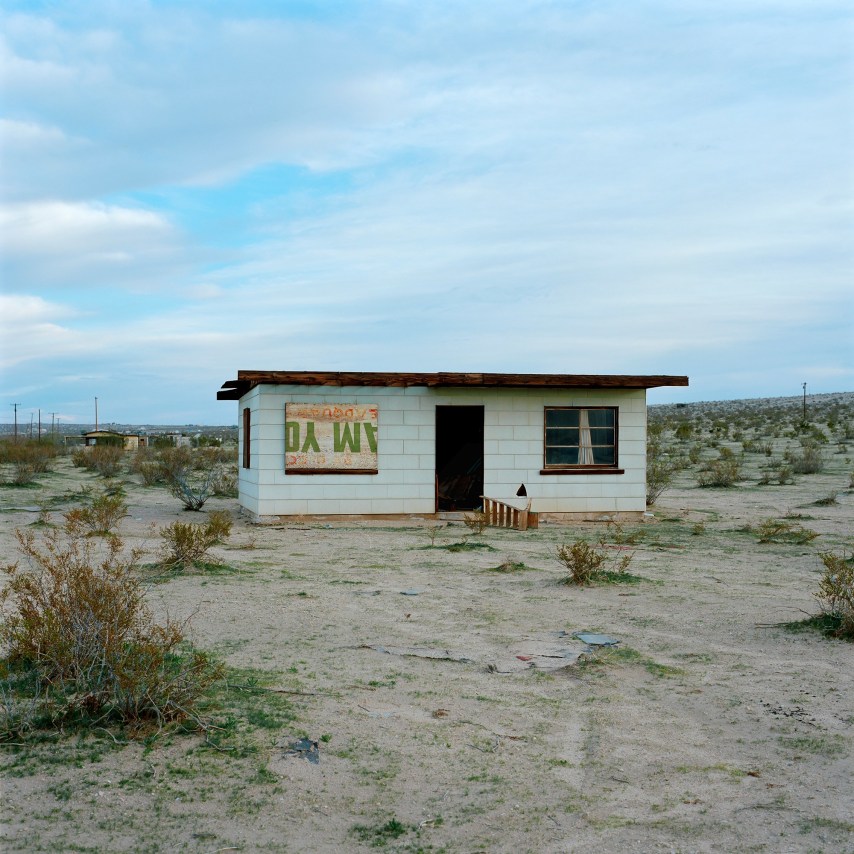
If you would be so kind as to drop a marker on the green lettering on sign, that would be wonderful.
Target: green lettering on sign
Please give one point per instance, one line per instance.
(310, 443)
(371, 436)
(344, 436)
(292, 436)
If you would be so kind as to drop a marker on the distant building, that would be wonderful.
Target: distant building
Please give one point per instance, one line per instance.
(130, 442)
(394, 443)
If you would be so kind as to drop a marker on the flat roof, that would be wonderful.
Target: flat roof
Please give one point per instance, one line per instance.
(246, 380)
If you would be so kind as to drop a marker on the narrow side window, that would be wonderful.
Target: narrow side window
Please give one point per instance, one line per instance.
(247, 422)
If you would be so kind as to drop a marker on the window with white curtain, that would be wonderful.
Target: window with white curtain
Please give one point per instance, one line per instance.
(580, 437)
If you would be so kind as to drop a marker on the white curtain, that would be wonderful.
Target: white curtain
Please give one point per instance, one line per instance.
(585, 442)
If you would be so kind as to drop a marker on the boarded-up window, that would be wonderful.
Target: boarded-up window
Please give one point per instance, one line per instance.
(247, 422)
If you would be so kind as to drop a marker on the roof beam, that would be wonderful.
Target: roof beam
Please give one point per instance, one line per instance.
(246, 380)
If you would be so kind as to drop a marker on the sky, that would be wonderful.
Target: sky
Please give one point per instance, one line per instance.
(189, 189)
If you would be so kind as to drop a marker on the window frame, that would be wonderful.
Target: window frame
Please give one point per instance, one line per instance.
(578, 468)
(247, 438)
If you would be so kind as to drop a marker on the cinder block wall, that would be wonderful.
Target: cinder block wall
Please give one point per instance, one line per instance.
(513, 452)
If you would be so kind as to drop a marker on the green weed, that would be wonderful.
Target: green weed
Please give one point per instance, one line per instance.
(381, 834)
(782, 531)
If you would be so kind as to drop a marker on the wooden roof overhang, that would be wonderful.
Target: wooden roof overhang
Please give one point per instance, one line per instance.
(247, 380)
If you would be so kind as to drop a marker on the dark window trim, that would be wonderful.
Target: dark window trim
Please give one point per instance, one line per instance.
(247, 431)
(584, 470)
(604, 468)
(330, 471)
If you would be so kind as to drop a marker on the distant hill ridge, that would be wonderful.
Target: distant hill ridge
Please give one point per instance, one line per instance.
(844, 398)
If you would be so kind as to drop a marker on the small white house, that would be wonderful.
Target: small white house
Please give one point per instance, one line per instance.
(404, 443)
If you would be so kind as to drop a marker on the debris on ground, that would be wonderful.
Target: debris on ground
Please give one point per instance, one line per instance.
(595, 639)
(305, 748)
(419, 652)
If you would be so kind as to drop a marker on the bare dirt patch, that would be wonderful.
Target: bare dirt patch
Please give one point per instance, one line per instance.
(448, 705)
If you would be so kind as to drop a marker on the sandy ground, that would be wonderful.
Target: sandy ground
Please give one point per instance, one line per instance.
(453, 709)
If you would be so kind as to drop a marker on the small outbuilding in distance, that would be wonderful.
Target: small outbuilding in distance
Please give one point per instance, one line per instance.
(376, 444)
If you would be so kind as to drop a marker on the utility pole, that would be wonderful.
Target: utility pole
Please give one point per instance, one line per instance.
(805, 403)
(16, 405)
(53, 422)
(96, 414)
(40, 425)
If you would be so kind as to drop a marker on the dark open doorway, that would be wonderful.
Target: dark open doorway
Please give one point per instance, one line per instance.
(459, 457)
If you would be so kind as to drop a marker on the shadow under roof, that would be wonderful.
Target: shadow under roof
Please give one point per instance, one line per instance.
(247, 380)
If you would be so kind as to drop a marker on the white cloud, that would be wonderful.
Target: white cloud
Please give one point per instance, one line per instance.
(25, 135)
(51, 243)
(59, 227)
(17, 310)
(31, 330)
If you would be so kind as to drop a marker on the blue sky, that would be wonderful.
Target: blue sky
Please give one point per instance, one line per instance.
(193, 188)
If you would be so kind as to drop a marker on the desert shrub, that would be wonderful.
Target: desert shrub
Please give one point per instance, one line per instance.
(142, 454)
(105, 459)
(655, 427)
(784, 475)
(720, 472)
(143, 458)
(37, 454)
(80, 634)
(193, 476)
(836, 591)
(813, 433)
(150, 472)
(174, 462)
(588, 564)
(660, 469)
(225, 484)
(808, 461)
(23, 473)
(782, 531)
(684, 431)
(615, 533)
(193, 490)
(186, 543)
(79, 457)
(695, 454)
(583, 561)
(509, 565)
(476, 521)
(101, 516)
(433, 532)
(215, 456)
